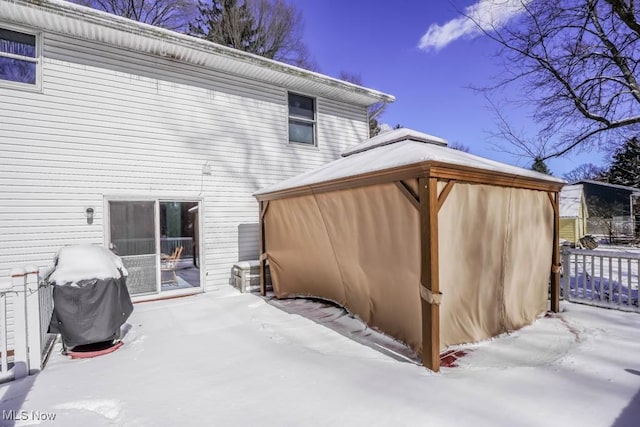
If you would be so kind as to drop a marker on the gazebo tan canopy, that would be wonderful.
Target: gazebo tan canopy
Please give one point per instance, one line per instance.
(430, 245)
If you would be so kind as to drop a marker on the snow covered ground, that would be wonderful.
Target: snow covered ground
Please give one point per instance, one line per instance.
(225, 358)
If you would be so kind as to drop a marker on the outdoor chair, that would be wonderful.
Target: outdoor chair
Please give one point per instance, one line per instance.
(169, 264)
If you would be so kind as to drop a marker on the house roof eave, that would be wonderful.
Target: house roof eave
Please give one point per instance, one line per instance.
(632, 190)
(70, 19)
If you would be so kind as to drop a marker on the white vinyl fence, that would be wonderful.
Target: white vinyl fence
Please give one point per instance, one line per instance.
(603, 278)
(25, 311)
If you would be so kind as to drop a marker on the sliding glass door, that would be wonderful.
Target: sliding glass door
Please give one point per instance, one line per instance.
(133, 238)
(178, 246)
(158, 242)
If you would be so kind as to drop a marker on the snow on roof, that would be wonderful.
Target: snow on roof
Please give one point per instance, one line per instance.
(606, 184)
(85, 262)
(395, 154)
(62, 17)
(570, 199)
(396, 135)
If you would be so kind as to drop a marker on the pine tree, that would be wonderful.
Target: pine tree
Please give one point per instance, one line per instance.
(540, 166)
(625, 168)
(225, 22)
(269, 28)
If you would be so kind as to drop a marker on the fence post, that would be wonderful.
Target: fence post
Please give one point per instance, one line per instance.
(566, 272)
(5, 287)
(20, 350)
(34, 346)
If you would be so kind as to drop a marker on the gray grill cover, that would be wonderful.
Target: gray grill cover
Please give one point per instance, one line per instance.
(91, 311)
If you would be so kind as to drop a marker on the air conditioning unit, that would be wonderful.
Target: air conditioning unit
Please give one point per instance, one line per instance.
(245, 276)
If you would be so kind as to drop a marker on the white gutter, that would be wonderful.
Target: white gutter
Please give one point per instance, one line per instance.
(70, 19)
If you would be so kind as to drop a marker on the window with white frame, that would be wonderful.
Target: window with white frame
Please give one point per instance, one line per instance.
(302, 119)
(19, 57)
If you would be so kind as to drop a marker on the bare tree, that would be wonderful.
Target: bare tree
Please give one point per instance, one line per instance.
(585, 171)
(577, 62)
(459, 146)
(279, 31)
(269, 28)
(374, 111)
(171, 14)
(514, 141)
(225, 22)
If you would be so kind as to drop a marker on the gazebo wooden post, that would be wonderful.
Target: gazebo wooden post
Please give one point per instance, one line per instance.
(263, 256)
(429, 273)
(555, 257)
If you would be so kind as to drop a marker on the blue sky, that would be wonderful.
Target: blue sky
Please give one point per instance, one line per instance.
(379, 40)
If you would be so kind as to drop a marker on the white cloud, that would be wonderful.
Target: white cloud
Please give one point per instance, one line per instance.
(488, 14)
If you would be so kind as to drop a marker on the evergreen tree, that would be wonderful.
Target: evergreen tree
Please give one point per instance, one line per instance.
(625, 168)
(540, 166)
(225, 22)
(269, 28)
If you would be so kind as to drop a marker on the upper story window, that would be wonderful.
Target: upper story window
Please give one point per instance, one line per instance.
(302, 119)
(19, 57)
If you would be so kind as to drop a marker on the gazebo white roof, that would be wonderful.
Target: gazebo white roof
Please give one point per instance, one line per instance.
(401, 147)
(392, 137)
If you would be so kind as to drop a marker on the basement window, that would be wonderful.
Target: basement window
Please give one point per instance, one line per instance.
(302, 119)
(19, 58)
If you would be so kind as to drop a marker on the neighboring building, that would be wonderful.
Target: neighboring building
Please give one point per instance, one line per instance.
(121, 134)
(614, 209)
(573, 213)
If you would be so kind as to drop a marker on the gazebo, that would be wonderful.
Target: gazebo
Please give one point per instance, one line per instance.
(431, 245)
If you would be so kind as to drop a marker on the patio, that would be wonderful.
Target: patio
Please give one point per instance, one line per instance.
(225, 358)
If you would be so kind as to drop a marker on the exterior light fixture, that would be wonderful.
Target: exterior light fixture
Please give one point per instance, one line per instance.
(89, 214)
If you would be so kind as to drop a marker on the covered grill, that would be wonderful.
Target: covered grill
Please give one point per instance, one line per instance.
(90, 296)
